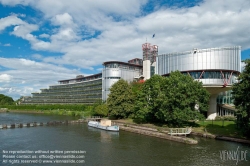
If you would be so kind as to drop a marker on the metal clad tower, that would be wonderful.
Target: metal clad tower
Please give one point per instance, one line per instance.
(149, 59)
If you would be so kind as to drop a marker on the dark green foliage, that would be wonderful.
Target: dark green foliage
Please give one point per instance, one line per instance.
(101, 110)
(148, 100)
(75, 107)
(241, 96)
(6, 100)
(171, 100)
(120, 101)
(225, 118)
(136, 87)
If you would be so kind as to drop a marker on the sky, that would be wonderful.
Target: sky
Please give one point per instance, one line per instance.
(43, 41)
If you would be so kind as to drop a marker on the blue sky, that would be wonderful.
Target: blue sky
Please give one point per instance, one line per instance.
(44, 41)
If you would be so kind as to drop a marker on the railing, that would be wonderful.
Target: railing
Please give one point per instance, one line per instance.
(180, 131)
(92, 118)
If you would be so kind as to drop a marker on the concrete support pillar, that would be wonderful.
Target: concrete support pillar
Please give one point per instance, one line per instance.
(211, 114)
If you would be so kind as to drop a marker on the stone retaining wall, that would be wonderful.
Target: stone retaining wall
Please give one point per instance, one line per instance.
(154, 133)
(203, 135)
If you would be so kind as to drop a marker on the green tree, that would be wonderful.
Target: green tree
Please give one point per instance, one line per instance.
(6, 100)
(171, 100)
(181, 97)
(148, 99)
(101, 110)
(120, 101)
(241, 96)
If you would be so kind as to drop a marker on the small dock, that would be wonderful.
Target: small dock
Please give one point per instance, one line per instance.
(180, 131)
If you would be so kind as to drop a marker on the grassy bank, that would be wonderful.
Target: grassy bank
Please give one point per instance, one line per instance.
(218, 128)
(69, 110)
(55, 112)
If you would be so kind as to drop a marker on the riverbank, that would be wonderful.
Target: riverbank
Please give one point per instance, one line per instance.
(131, 128)
(54, 112)
(149, 129)
(22, 111)
(195, 133)
(154, 133)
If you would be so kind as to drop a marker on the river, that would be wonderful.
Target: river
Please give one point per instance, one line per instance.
(97, 147)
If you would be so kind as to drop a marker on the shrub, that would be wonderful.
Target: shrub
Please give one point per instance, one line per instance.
(226, 118)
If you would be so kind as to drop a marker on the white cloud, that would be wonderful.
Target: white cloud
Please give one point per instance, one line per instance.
(208, 25)
(99, 69)
(18, 14)
(87, 33)
(24, 73)
(16, 92)
(7, 45)
(62, 19)
(5, 78)
(37, 56)
(9, 21)
(44, 35)
(24, 31)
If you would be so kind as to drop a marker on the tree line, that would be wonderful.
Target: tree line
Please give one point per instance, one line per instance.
(241, 96)
(6, 100)
(173, 100)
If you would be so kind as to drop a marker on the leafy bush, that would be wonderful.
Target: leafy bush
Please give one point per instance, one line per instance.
(226, 118)
(6, 100)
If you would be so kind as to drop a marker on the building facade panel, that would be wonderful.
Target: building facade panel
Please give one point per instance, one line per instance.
(112, 73)
(214, 59)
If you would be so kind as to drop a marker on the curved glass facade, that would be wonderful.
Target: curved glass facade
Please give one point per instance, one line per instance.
(113, 71)
(227, 58)
(211, 74)
(217, 66)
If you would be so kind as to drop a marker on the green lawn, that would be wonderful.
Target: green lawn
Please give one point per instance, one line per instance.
(220, 128)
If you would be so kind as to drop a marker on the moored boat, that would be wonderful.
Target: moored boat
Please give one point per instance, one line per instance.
(103, 124)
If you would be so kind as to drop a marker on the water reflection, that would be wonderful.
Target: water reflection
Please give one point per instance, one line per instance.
(106, 136)
(113, 148)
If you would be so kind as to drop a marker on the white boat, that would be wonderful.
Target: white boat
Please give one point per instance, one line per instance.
(103, 124)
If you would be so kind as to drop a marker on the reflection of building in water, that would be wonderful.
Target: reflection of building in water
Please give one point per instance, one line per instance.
(107, 136)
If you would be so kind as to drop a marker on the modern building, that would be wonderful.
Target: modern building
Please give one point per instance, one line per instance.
(114, 70)
(216, 68)
(81, 89)
(87, 89)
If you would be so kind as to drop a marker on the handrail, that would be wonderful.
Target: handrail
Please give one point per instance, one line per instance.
(180, 131)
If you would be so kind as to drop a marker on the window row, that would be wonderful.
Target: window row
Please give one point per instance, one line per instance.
(210, 74)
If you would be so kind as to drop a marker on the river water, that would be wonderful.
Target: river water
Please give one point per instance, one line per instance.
(96, 147)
